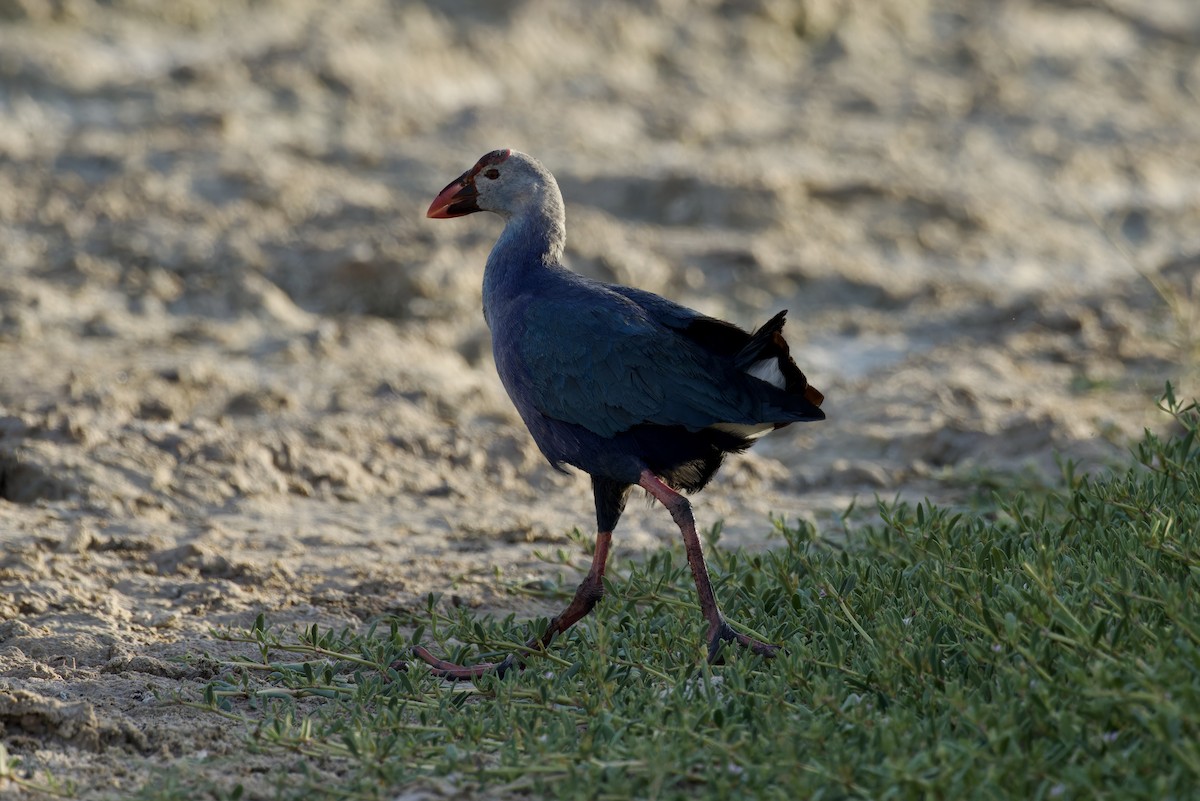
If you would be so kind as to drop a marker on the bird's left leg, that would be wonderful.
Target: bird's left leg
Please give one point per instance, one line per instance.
(719, 630)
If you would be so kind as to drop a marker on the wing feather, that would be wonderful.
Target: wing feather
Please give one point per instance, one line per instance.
(608, 366)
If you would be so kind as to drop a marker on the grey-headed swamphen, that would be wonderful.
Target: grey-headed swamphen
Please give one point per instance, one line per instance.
(627, 386)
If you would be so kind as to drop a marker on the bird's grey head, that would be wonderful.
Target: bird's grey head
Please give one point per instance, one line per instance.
(504, 181)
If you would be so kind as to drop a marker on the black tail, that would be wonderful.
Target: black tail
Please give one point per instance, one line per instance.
(766, 344)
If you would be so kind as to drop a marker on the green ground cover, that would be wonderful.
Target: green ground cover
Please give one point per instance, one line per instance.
(1045, 647)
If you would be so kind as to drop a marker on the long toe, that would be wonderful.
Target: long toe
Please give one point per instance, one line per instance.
(456, 672)
(724, 633)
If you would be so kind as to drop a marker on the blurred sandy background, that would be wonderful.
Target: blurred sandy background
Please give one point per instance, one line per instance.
(241, 372)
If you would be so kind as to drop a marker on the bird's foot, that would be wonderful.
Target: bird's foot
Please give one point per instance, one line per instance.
(722, 632)
(586, 597)
(455, 672)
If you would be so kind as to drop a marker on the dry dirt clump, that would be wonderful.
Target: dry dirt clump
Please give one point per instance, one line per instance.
(241, 373)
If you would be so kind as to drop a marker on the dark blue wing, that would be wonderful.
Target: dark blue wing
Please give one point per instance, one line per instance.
(605, 363)
(666, 312)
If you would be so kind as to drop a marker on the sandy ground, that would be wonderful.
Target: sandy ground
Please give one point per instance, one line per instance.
(240, 372)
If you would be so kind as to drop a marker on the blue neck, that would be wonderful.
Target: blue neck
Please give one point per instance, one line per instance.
(529, 246)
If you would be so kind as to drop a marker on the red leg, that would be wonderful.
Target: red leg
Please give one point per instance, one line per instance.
(589, 593)
(719, 631)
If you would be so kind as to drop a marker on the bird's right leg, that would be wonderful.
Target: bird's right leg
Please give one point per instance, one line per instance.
(610, 503)
(588, 594)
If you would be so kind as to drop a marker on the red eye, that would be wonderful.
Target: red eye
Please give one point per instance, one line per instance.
(492, 174)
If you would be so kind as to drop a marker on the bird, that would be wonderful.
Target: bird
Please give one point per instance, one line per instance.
(627, 386)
